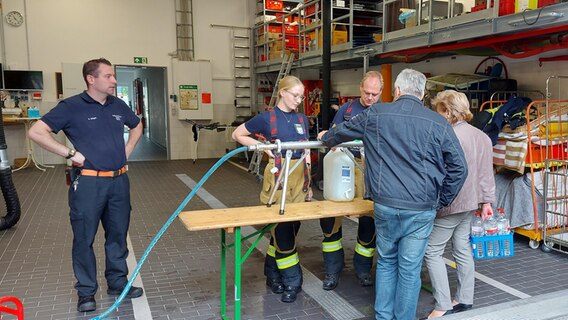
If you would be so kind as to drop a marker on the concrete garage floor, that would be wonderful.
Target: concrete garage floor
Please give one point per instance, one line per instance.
(181, 275)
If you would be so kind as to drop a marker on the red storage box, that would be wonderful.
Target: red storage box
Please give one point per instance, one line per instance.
(271, 29)
(311, 9)
(544, 3)
(292, 42)
(506, 7)
(478, 8)
(274, 5)
(537, 153)
(280, 18)
(291, 29)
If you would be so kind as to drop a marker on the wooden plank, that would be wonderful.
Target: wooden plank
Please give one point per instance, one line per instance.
(262, 215)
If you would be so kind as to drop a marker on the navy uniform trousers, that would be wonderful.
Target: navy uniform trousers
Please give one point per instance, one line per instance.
(333, 253)
(93, 200)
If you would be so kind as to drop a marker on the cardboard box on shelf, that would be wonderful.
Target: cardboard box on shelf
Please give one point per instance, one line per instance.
(377, 37)
(410, 17)
(411, 22)
(276, 45)
(291, 42)
(338, 35)
(278, 54)
(267, 37)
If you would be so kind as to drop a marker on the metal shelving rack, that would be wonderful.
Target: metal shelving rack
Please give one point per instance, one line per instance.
(465, 27)
(555, 230)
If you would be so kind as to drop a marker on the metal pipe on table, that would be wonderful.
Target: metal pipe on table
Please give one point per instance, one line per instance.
(278, 145)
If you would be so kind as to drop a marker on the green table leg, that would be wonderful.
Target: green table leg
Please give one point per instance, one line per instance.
(238, 263)
(223, 275)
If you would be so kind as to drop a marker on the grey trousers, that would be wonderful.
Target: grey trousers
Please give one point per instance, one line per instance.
(456, 227)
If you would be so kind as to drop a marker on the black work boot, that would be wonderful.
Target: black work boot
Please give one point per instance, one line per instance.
(365, 279)
(330, 281)
(275, 285)
(134, 292)
(290, 294)
(86, 304)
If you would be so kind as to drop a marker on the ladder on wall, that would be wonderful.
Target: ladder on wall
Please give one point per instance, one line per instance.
(184, 30)
(242, 72)
(287, 61)
(285, 67)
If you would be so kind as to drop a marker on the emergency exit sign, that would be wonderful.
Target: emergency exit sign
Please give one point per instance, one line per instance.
(143, 60)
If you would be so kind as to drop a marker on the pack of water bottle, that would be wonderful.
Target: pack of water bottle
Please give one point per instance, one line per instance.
(491, 237)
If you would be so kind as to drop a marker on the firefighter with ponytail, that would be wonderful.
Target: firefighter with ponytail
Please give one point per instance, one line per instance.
(283, 122)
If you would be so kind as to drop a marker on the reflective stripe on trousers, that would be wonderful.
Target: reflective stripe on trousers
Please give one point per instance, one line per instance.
(365, 252)
(288, 261)
(331, 246)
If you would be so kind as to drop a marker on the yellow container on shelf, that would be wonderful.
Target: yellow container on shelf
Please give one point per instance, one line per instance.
(522, 5)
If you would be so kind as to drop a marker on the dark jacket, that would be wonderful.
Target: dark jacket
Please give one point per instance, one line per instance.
(413, 158)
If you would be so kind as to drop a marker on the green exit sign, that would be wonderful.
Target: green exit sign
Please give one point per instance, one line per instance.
(141, 60)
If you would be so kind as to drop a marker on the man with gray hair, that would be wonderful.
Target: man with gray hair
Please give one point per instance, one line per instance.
(414, 165)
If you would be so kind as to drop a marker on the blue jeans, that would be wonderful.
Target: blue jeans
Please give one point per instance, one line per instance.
(402, 236)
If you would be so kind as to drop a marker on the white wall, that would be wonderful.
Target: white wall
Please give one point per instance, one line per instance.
(215, 44)
(57, 31)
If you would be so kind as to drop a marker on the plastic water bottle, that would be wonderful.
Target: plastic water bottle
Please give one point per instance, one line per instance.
(504, 228)
(502, 223)
(338, 176)
(477, 229)
(476, 232)
(490, 227)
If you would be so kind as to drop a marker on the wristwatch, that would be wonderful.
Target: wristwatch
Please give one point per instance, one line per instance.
(71, 153)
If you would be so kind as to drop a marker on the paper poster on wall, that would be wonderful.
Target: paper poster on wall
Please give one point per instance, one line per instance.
(188, 97)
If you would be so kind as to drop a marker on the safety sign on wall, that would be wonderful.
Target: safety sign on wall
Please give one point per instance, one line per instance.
(188, 97)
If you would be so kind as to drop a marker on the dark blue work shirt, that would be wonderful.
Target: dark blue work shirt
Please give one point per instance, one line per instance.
(97, 131)
(344, 114)
(291, 126)
(356, 108)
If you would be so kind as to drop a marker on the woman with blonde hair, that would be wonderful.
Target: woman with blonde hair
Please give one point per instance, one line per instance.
(282, 264)
(454, 222)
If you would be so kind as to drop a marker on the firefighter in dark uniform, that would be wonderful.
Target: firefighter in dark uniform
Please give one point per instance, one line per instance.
(100, 193)
(282, 264)
(371, 87)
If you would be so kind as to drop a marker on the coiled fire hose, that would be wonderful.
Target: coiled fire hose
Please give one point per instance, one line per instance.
(8, 189)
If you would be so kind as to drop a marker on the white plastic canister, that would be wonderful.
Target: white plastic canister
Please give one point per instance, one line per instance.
(338, 176)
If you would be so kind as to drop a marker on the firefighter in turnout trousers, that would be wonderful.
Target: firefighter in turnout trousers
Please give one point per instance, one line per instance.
(371, 87)
(282, 264)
